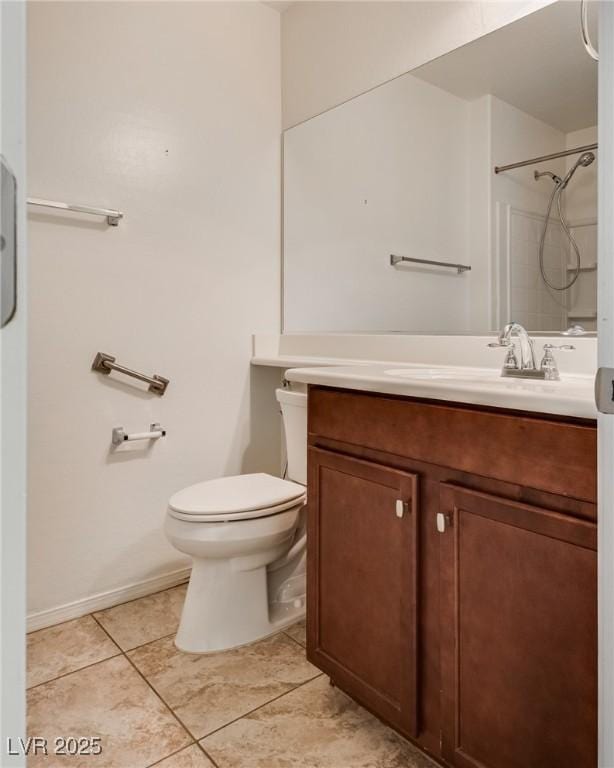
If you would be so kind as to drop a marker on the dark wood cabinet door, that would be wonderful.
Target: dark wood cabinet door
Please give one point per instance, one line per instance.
(361, 613)
(518, 635)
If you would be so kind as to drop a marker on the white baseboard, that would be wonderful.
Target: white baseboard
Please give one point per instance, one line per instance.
(103, 600)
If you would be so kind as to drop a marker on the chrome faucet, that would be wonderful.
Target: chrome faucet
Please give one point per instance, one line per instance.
(527, 365)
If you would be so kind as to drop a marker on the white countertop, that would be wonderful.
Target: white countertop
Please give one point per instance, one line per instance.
(573, 395)
(297, 350)
(304, 361)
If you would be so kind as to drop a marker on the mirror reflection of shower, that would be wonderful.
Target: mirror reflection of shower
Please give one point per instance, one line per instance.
(560, 184)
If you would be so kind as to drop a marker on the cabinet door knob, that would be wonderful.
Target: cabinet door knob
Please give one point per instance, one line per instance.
(442, 522)
(401, 507)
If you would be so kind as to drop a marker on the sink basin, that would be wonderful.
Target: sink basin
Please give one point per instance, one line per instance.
(452, 374)
(468, 377)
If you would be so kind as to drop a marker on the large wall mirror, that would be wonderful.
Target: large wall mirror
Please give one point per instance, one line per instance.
(396, 221)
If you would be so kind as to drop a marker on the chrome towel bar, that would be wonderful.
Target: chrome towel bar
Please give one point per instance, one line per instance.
(104, 363)
(460, 268)
(119, 436)
(112, 216)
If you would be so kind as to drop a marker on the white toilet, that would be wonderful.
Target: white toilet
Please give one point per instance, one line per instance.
(247, 538)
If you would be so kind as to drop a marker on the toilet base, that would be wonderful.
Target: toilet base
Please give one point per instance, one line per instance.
(227, 608)
(247, 582)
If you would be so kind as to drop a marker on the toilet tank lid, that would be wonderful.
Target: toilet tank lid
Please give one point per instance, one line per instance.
(239, 493)
(292, 398)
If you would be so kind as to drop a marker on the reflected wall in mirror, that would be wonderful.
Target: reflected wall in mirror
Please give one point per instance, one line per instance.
(408, 170)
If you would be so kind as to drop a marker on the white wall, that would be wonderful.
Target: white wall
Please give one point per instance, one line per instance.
(581, 200)
(333, 51)
(483, 304)
(170, 112)
(386, 173)
(517, 135)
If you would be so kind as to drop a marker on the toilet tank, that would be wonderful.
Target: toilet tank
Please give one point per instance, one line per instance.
(294, 413)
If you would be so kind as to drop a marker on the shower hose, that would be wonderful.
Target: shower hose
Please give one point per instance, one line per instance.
(556, 193)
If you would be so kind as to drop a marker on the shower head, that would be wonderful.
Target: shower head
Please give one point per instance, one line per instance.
(585, 159)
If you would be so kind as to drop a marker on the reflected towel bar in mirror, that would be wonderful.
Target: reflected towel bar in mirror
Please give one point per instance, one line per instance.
(106, 363)
(460, 268)
(112, 216)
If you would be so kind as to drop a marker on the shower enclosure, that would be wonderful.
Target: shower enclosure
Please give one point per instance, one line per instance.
(552, 239)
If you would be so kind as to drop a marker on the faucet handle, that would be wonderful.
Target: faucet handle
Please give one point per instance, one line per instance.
(548, 363)
(501, 343)
(511, 361)
(548, 347)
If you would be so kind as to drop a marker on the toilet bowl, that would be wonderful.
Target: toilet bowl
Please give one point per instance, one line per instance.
(246, 536)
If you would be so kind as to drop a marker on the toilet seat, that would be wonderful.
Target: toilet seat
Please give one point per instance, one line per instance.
(240, 497)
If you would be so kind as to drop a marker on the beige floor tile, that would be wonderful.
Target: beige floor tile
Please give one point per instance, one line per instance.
(298, 632)
(315, 726)
(191, 757)
(209, 691)
(65, 648)
(109, 700)
(141, 621)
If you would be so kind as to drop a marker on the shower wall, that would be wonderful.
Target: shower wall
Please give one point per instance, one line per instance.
(532, 302)
(581, 206)
(519, 203)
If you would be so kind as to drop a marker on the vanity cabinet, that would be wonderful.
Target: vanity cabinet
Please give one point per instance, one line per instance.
(362, 530)
(452, 574)
(518, 634)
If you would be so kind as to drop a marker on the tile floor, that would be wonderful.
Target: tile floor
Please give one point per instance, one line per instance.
(116, 674)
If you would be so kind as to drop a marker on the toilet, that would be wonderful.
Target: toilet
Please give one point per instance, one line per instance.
(246, 536)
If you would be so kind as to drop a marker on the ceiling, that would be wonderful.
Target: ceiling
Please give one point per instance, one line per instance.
(537, 64)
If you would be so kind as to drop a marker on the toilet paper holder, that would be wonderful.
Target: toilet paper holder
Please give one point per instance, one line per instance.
(119, 436)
